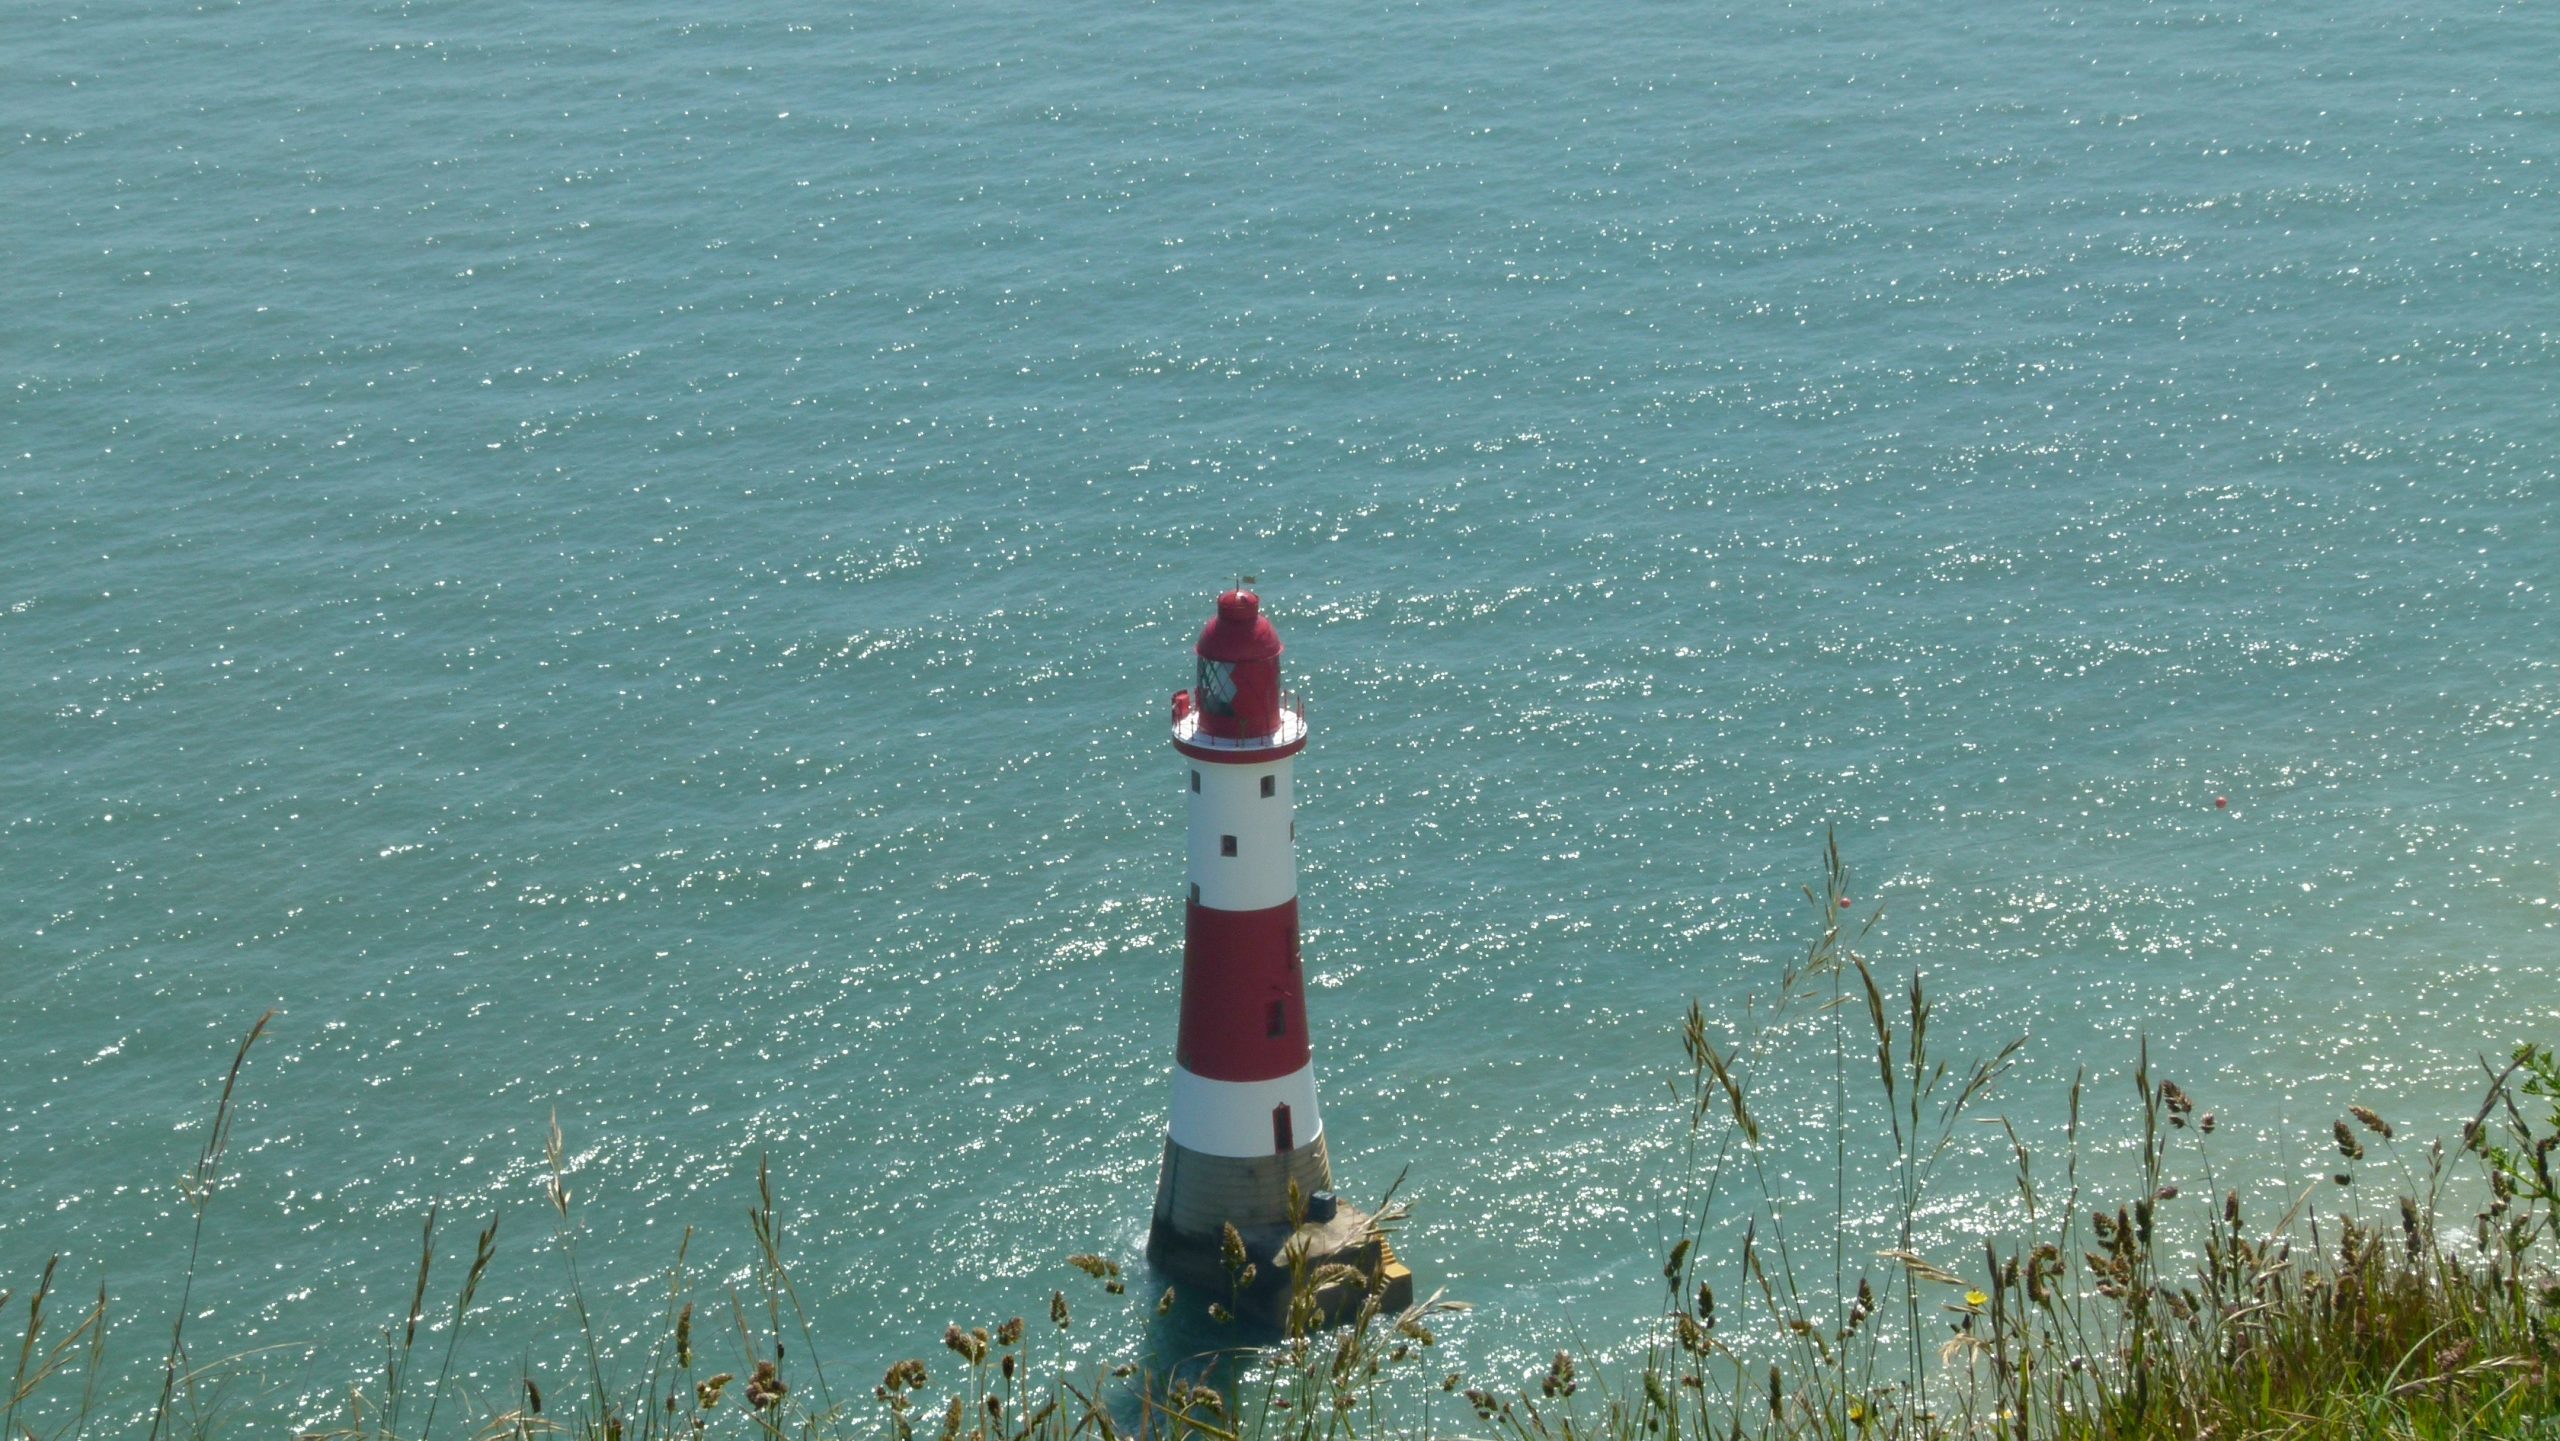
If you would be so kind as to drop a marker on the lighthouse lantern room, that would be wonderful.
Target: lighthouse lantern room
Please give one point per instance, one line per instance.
(1244, 1131)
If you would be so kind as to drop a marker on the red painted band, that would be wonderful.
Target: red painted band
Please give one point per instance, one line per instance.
(1244, 997)
(1228, 756)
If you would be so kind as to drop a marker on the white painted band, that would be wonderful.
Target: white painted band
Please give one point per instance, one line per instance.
(1263, 872)
(1233, 1118)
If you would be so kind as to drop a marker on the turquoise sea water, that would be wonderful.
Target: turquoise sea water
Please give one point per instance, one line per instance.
(628, 565)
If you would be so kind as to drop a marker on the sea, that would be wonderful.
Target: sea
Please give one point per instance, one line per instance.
(622, 567)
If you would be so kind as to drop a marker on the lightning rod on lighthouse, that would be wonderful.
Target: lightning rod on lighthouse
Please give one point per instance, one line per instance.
(1245, 1133)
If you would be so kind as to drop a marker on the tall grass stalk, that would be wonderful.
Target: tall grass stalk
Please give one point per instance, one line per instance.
(481, 1256)
(38, 1360)
(556, 1190)
(199, 1188)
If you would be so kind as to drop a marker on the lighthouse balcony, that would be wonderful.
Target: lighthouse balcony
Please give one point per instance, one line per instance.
(1192, 739)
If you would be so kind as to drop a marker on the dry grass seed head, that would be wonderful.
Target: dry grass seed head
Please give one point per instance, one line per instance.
(1560, 1376)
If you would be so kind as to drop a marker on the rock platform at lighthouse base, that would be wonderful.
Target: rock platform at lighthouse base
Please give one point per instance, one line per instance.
(1198, 1267)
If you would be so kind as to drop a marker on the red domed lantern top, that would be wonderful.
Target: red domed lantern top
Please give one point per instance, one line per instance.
(1239, 632)
(1238, 694)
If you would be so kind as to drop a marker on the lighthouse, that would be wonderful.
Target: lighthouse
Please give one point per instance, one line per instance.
(1244, 1131)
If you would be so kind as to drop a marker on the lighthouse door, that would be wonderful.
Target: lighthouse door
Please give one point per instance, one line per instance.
(1283, 1137)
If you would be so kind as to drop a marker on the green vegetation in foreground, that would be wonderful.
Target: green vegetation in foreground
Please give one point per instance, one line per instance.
(2163, 1315)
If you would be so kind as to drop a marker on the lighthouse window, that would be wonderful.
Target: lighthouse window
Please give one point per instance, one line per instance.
(1284, 1138)
(1276, 1022)
(1216, 692)
(1195, 781)
(1226, 845)
(1195, 893)
(1270, 787)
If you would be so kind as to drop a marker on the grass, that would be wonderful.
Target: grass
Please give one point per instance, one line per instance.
(2163, 1312)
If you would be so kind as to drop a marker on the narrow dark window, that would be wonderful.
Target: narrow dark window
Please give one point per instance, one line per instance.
(1226, 845)
(1276, 1023)
(1195, 782)
(1270, 787)
(1293, 830)
(1195, 893)
(1284, 1137)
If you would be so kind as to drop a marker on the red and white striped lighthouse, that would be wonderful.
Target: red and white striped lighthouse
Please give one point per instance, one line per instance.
(1244, 1129)
(1244, 1120)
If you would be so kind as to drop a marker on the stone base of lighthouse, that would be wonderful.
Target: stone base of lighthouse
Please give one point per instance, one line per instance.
(1199, 1195)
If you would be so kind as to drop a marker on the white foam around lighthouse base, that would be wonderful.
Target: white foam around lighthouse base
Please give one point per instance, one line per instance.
(1233, 1118)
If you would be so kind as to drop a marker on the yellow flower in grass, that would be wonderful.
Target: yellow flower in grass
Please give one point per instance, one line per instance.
(1975, 1298)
